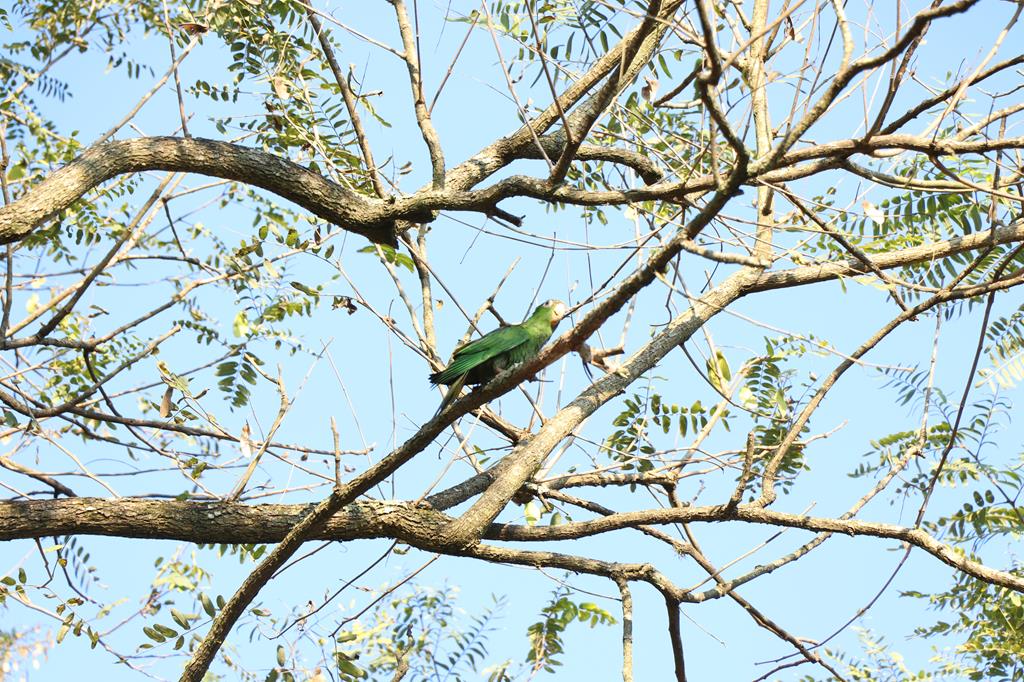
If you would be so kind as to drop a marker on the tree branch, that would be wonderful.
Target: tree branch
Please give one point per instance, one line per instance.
(341, 206)
(412, 61)
(754, 514)
(350, 102)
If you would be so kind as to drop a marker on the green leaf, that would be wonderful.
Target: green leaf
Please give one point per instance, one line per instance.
(718, 371)
(180, 618)
(165, 631)
(349, 668)
(304, 289)
(154, 635)
(532, 512)
(240, 327)
(208, 607)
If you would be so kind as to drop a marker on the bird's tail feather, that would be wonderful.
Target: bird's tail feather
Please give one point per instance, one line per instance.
(453, 392)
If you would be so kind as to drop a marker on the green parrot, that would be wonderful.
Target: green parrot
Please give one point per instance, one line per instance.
(477, 362)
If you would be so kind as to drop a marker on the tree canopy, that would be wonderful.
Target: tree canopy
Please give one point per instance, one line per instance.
(772, 438)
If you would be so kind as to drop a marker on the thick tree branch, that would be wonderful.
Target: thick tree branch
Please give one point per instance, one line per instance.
(206, 522)
(341, 206)
(376, 219)
(495, 156)
(527, 458)
(800, 163)
(627, 629)
(585, 116)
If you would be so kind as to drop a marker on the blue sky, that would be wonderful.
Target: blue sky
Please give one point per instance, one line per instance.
(388, 385)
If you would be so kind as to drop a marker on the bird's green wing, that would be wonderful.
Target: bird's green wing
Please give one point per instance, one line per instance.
(494, 342)
(483, 349)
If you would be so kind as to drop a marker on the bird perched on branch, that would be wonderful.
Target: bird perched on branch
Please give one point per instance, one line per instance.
(477, 362)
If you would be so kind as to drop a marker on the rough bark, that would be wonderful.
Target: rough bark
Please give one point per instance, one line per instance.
(339, 205)
(209, 522)
(419, 526)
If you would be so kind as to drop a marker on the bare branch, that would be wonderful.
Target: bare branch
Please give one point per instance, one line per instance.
(410, 42)
(350, 102)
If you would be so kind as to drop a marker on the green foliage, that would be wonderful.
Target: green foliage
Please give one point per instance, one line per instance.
(236, 375)
(421, 627)
(908, 218)
(766, 388)
(546, 644)
(983, 621)
(74, 555)
(773, 393)
(631, 444)
(390, 255)
(628, 443)
(303, 111)
(917, 216)
(987, 622)
(1004, 345)
(965, 465)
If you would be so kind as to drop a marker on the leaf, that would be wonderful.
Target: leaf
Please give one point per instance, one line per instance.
(349, 668)
(532, 512)
(180, 618)
(207, 604)
(718, 371)
(154, 635)
(304, 289)
(165, 631)
(240, 327)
